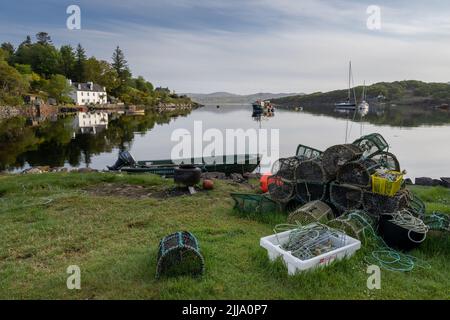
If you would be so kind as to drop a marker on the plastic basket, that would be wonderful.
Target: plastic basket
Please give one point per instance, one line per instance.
(385, 187)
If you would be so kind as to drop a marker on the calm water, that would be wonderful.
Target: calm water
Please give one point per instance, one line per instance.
(419, 137)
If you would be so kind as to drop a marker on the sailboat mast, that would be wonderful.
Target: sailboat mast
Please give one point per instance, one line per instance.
(349, 80)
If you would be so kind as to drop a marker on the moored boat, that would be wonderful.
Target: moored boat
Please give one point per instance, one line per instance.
(225, 164)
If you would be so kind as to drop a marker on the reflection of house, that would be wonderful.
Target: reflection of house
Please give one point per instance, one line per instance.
(86, 122)
(88, 93)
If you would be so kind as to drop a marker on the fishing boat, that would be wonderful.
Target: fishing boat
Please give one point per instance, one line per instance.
(263, 106)
(225, 164)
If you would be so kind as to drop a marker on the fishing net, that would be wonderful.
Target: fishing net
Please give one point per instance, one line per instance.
(280, 189)
(375, 204)
(438, 221)
(311, 171)
(346, 197)
(315, 211)
(179, 254)
(414, 204)
(338, 155)
(354, 223)
(307, 242)
(371, 144)
(254, 203)
(285, 168)
(311, 191)
(357, 173)
(386, 160)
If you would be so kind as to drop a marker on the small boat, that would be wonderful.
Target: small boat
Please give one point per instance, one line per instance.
(225, 164)
(348, 104)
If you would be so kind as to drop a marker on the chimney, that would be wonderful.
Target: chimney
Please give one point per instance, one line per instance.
(79, 86)
(70, 82)
(90, 85)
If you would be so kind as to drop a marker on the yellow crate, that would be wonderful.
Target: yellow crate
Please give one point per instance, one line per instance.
(385, 187)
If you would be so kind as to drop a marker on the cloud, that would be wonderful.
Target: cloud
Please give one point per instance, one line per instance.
(258, 45)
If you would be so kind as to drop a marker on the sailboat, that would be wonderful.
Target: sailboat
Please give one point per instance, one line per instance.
(348, 104)
(364, 105)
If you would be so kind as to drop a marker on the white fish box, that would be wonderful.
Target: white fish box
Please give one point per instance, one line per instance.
(274, 242)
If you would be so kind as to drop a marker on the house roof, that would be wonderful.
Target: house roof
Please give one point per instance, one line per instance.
(85, 87)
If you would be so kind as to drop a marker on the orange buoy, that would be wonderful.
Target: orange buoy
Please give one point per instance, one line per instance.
(264, 182)
(208, 184)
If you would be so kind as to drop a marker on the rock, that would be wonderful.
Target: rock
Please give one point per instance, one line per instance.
(58, 169)
(32, 171)
(44, 168)
(437, 182)
(237, 177)
(424, 181)
(408, 181)
(214, 175)
(445, 182)
(249, 175)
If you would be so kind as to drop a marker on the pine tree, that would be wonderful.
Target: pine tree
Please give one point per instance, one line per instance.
(43, 38)
(121, 66)
(80, 67)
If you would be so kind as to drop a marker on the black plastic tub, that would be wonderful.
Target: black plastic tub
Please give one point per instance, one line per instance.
(398, 237)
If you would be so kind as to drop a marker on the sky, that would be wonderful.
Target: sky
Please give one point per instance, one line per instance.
(248, 46)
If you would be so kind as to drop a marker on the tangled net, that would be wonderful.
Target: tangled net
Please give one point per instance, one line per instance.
(357, 173)
(345, 196)
(280, 189)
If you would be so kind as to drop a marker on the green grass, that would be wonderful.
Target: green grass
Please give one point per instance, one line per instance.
(47, 222)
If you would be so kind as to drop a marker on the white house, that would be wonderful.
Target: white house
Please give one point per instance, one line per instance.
(88, 93)
(90, 122)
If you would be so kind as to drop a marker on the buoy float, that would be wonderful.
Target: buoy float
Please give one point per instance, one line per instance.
(264, 182)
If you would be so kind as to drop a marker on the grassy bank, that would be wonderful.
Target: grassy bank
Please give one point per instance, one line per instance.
(51, 221)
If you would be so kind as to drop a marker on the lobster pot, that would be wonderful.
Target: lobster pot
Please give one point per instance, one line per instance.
(285, 168)
(254, 203)
(315, 211)
(386, 160)
(354, 223)
(415, 205)
(311, 171)
(376, 204)
(311, 191)
(280, 190)
(371, 144)
(346, 197)
(336, 156)
(179, 254)
(357, 173)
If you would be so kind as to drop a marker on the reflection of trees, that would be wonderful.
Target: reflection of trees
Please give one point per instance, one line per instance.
(52, 143)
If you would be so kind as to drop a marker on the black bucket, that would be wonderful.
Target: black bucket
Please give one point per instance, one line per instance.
(398, 237)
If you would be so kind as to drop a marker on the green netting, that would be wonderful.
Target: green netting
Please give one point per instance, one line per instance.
(372, 143)
(179, 254)
(254, 203)
(438, 221)
(386, 160)
(305, 152)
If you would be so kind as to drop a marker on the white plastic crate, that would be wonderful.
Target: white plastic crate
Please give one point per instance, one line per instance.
(274, 242)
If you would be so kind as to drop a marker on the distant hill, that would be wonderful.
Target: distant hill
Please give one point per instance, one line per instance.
(230, 98)
(408, 92)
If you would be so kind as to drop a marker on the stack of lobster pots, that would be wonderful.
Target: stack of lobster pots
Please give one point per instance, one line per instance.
(341, 176)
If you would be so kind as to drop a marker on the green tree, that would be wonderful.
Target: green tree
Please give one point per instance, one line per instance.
(43, 38)
(121, 66)
(80, 64)
(67, 61)
(58, 88)
(102, 73)
(44, 59)
(8, 48)
(12, 85)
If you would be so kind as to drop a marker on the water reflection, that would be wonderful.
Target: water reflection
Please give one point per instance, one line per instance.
(90, 122)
